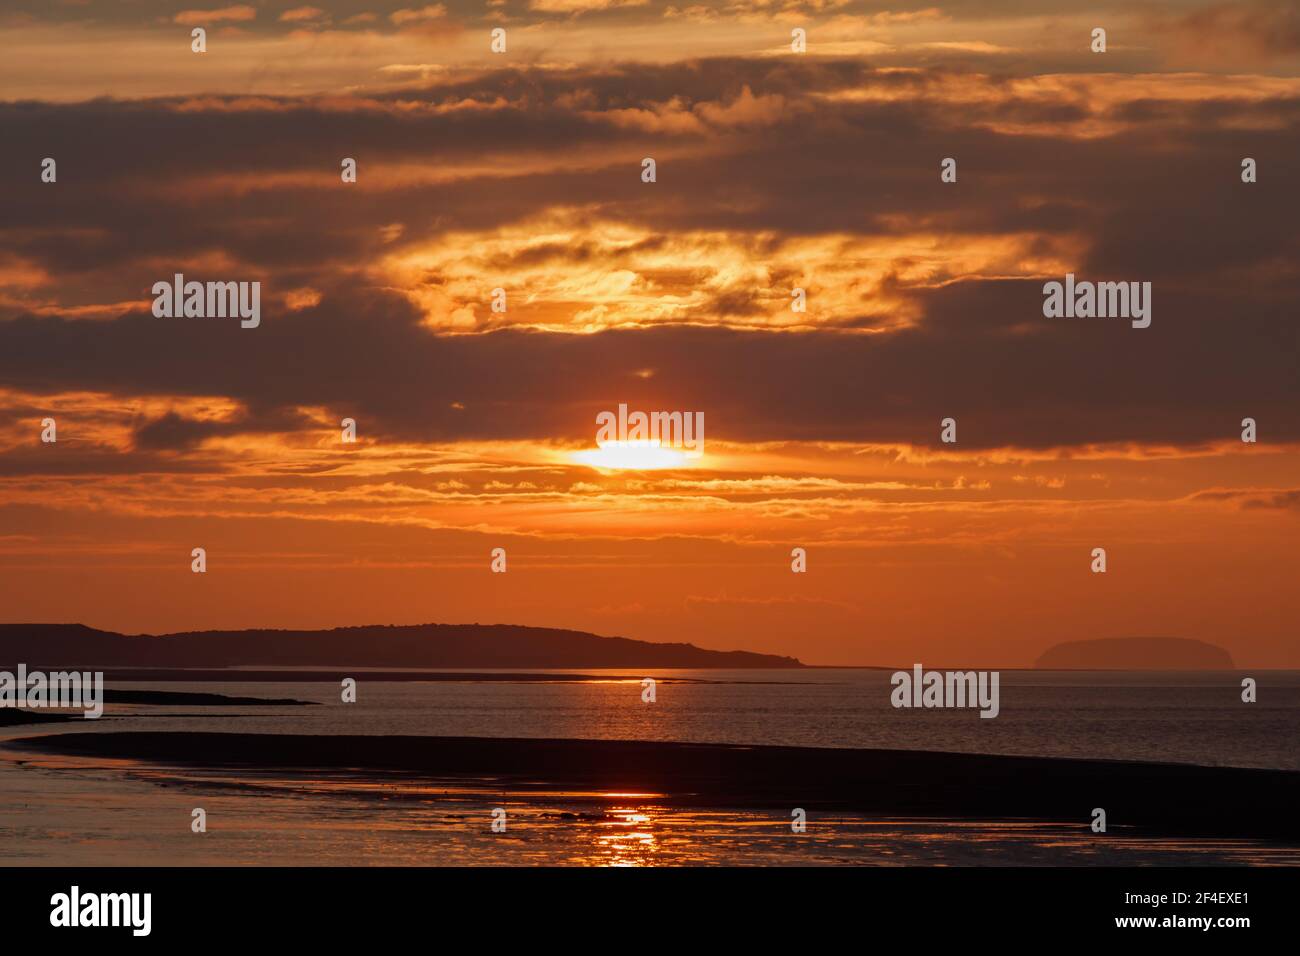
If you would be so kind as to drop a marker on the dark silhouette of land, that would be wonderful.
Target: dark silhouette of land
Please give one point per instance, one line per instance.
(172, 698)
(302, 676)
(1137, 797)
(10, 716)
(13, 716)
(416, 646)
(1136, 653)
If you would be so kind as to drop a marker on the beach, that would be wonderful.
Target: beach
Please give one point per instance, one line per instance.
(1152, 798)
(712, 773)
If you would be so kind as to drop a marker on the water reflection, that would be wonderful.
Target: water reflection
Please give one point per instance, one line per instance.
(127, 813)
(626, 838)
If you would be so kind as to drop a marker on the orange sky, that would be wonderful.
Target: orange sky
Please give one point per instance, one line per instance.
(776, 171)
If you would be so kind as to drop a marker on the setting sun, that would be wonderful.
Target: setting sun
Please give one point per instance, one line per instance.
(640, 455)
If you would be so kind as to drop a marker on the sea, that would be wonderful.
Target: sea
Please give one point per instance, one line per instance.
(83, 811)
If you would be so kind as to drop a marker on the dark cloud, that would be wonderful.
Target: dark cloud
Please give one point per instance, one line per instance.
(174, 432)
(1285, 500)
(984, 354)
(1149, 196)
(1160, 201)
(338, 13)
(1262, 29)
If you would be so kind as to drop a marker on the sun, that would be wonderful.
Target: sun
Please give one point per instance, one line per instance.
(640, 455)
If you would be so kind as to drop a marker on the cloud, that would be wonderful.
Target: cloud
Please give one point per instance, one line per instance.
(408, 15)
(1267, 30)
(924, 298)
(302, 15)
(1250, 499)
(233, 14)
(581, 6)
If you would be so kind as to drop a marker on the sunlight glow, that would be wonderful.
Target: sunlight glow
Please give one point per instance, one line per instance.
(642, 455)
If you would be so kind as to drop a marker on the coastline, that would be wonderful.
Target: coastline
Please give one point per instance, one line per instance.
(1141, 797)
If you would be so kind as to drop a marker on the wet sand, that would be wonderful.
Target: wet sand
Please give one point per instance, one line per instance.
(1147, 797)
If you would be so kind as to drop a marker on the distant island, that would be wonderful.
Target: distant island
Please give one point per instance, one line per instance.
(427, 646)
(1136, 653)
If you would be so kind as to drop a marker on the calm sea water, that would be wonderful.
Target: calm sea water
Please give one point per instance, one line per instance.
(1186, 718)
(78, 811)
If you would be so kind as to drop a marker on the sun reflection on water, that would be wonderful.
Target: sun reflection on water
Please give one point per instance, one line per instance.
(320, 818)
(626, 837)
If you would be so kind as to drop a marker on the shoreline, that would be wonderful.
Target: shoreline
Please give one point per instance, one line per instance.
(1138, 797)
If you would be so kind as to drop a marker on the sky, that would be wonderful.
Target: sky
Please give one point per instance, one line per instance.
(775, 170)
